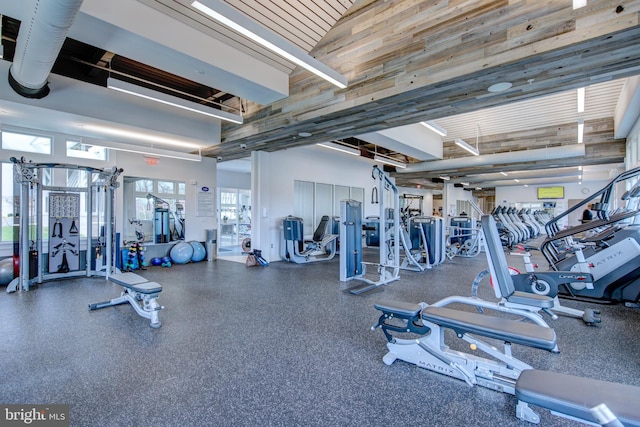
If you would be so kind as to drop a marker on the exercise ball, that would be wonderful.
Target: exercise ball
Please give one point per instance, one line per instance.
(198, 251)
(166, 259)
(156, 261)
(181, 253)
(6, 271)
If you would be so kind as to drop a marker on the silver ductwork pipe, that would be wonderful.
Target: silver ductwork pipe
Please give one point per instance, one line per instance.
(38, 45)
(539, 154)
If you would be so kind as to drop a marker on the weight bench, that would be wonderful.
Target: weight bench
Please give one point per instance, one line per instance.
(140, 293)
(429, 350)
(575, 397)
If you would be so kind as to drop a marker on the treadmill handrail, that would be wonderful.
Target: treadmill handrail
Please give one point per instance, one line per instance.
(605, 193)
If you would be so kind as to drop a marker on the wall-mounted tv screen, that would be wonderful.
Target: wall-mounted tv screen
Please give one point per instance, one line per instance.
(551, 192)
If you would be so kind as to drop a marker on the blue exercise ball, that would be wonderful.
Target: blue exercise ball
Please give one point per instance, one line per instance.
(199, 251)
(181, 253)
(166, 259)
(156, 261)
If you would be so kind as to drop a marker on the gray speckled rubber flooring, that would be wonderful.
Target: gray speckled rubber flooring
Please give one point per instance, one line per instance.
(283, 345)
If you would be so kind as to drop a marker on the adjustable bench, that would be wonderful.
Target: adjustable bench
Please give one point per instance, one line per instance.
(140, 293)
(429, 351)
(575, 397)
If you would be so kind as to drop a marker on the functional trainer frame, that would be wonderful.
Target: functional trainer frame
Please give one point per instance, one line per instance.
(101, 186)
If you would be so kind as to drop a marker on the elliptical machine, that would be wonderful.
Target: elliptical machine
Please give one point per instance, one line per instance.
(611, 247)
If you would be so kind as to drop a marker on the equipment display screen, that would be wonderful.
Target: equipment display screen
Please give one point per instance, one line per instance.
(551, 192)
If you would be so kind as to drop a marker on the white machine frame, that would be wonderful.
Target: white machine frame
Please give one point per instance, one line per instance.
(100, 182)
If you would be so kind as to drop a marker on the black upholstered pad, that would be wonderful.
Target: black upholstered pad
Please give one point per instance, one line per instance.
(574, 396)
(513, 331)
(398, 308)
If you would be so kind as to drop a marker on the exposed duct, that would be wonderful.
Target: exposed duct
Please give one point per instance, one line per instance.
(523, 156)
(38, 45)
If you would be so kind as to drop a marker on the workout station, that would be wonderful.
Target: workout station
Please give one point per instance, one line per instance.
(438, 201)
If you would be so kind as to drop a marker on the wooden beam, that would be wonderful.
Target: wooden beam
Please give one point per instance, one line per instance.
(413, 60)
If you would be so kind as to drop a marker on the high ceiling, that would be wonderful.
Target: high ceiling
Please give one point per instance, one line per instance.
(406, 61)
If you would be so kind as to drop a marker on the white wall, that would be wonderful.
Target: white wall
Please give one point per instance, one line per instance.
(273, 175)
(511, 195)
(229, 179)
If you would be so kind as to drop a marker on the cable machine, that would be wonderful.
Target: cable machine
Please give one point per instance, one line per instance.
(162, 219)
(351, 264)
(64, 224)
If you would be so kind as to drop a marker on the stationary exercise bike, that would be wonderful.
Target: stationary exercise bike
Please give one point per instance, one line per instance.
(541, 283)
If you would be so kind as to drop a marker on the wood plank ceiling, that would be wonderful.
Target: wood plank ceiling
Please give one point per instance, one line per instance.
(414, 60)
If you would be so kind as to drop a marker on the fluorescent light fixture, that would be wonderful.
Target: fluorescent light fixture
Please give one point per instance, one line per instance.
(580, 131)
(388, 161)
(444, 178)
(516, 180)
(504, 173)
(147, 151)
(581, 92)
(577, 4)
(238, 22)
(143, 92)
(473, 150)
(341, 148)
(123, 133)
(433, 126)
(466, 184)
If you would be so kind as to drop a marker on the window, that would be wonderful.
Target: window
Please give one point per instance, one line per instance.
(7, 207)
(86, 151)
(150, 204)
(25, 142)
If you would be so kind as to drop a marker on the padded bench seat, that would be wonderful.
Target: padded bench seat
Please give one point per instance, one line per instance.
(136, 283)
(575, 396)
(403, 310)
(508, 330)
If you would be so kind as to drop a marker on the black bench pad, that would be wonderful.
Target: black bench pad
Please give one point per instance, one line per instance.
(574, 396)
(509, 330)
(398, 308)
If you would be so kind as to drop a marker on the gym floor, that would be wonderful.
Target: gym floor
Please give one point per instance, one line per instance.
(283, 345)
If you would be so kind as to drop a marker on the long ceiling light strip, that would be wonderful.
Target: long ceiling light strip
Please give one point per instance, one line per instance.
(580, 131)
(150, 151)
(581, 97)
(462, 144)
(388, 161)
(341, 148)
(577, 4)
(1, 45)
(433, 126)
(173, 101)
(236, 21)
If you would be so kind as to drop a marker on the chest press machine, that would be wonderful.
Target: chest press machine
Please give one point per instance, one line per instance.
(416, 334)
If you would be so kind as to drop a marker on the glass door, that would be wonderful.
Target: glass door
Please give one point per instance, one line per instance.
(234, 220)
